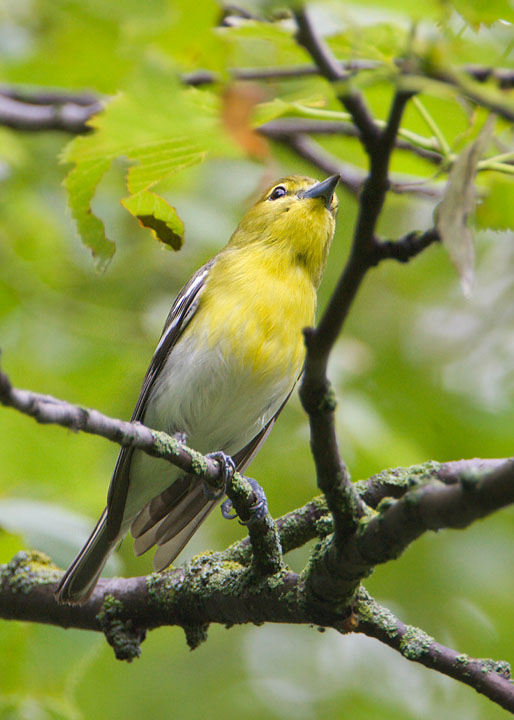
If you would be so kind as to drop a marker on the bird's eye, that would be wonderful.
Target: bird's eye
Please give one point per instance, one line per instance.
(278, 192)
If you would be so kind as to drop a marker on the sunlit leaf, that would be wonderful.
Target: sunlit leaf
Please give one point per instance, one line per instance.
(155, 213)
(160, 125)
(81, 185)
(477, 12)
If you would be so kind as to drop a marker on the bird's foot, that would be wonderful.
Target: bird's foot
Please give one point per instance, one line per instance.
(228, 469)
(256, 511)
(226, 510)
(260, 507)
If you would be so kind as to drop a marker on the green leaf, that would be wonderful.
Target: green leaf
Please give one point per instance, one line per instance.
(458, 201)
(155, 213)
(477, 12)
(81, 184)
(160, 126)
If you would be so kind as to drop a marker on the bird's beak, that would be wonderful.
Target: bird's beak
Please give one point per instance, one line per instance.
(324, 189)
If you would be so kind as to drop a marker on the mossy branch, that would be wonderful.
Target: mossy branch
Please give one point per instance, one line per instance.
(211, 589)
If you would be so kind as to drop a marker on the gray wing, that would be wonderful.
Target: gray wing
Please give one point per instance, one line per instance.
(171, 519)
(183, 309)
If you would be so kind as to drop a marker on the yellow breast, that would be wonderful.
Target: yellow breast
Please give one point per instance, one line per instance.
(254, 308)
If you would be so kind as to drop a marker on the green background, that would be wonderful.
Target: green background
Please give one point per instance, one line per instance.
(421, 373)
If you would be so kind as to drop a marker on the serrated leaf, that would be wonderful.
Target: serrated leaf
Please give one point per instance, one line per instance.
(458, 202)
(155, 213)
(159, 137)
(80, 184)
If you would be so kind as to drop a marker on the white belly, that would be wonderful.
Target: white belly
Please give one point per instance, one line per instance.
(210, 397)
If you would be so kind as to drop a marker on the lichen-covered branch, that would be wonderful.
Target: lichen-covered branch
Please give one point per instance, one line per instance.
(359, 542)
(489, 677)
(49, 410)
(336, 569)
(211, 589)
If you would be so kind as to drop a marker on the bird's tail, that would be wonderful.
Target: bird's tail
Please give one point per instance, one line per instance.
(79, 580)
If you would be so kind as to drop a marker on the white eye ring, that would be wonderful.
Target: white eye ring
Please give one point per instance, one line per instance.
(277, 192)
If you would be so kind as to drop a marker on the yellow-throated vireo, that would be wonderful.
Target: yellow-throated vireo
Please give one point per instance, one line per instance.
(229, 356)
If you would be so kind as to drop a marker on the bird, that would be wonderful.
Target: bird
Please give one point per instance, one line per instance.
(229, 356)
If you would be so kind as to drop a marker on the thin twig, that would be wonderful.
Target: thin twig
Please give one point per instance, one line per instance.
(503, 76)
(406, 247)
(352, 178)
(283, 128)
(206, 77)
(329, 67)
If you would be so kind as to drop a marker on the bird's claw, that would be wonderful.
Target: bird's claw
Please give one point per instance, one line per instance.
(228, 469)
(226, 510)
(260, 507)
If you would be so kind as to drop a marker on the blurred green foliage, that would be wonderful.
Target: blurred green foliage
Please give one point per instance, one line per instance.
(421, 372)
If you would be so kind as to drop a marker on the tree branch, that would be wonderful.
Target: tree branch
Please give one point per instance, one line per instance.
(503, 76)
(284, 128)
(315, 392)
(226, 588)
(71, 116)
(353, 178)
(205, 77)
(488, 677)
(210, 590)
(470, 490)
(331, 69)
(406, 247)
(339, 567)
(46, 409)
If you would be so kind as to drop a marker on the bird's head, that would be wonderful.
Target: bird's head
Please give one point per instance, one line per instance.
(295, 216)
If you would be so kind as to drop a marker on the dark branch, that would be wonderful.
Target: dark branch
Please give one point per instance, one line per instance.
(331, 70)
(332, 476)
(351, 177)
(52, 96)
(348, 68)
(284, 128)
(313, 520)
(364, 255)
(406, 247)
(469, 492)
(339, 568)
(48, 410)
(210, 590)
(68, 116)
